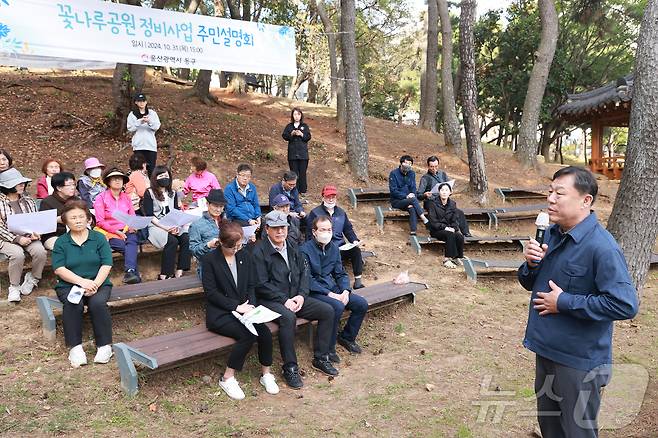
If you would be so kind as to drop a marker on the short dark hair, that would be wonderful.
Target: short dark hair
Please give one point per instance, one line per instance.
(60, 178)
(583, 180)
(136, 161)
(433, 158)
(404, 158)
(292, 118)
(230, 233)
(289, 175)
(319, 219)
(8, 155)
(243, 167)
(75, 205)
(199, 164)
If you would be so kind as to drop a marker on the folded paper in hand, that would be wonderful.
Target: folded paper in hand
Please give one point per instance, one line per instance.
(259, 315)
(75, 294)
(348, 246)
(134, 222)
(40, 222)
(248, 232)
(176, 218)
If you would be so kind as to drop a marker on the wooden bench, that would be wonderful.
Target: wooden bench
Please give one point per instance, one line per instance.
(511, 193)
(654, 259)
(520, 212)
(517, 241)
(368, 194)
(47, 305)
(471, 266)
(197, 343)
(486, 215)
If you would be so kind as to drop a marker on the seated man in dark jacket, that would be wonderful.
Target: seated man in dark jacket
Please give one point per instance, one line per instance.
(282, 203)
(433, 177)
(330, 283)
(444, 225)
(282, 286)
(342, 228)
(288, 187)
(402, 185)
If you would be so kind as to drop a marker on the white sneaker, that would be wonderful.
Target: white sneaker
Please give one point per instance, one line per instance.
(29, 283)
(269, 382)
(14, 294)
(231, 388)
(77, 356)
(103, 354)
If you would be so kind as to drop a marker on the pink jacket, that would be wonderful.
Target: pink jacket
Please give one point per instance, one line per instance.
(105, 204)
(42, 187)
(200, 185)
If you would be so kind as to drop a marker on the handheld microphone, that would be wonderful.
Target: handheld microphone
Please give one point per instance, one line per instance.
(542, 223)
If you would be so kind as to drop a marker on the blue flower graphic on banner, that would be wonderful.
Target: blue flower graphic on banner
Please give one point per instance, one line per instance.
(4, 30)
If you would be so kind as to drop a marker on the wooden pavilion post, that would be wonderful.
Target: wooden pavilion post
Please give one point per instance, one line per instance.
(597, 146)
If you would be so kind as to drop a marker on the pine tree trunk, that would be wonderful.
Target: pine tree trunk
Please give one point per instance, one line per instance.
(634, 218)
(331, 42)
(127, 80)
(340, 100)
(478, 177)
(429, 88)
(527, 147)
(355, 132)
(451, 129)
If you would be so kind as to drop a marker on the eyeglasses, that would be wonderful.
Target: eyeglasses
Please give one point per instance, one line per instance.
(324, 230)
(236, 248)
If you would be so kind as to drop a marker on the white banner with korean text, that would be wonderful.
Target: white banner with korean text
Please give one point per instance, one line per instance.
(92, 30)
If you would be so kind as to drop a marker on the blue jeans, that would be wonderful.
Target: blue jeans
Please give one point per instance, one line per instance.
(128, 248)
(414, 213)
(357, 305)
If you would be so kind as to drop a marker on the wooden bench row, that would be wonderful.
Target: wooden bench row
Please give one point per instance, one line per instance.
(517, 242)
(187, 346)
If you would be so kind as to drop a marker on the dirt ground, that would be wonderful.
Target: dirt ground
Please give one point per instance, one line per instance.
(428, 370)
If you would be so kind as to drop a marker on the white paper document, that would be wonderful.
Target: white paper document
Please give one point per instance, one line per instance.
(348, 246)
(248, 232)
(435, 189)
(176, 218)
(134, 222)
(41, 222)
(259, 315)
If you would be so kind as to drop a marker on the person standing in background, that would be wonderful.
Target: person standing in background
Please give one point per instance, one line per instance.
(143, 122)
(298, 134)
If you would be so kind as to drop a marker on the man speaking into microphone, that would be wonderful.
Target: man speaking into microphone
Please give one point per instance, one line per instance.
(580, 284)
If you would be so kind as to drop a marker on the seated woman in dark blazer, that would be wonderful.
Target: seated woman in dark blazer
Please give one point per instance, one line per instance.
(444, 224)
(227, 277)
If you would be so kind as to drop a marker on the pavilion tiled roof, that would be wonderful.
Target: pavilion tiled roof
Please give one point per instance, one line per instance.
(608, 98)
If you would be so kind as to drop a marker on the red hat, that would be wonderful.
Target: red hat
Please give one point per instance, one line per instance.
(329, 190)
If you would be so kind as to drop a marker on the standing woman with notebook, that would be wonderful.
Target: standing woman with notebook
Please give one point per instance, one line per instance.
(83, 258)
(298, 134)
(228, 277)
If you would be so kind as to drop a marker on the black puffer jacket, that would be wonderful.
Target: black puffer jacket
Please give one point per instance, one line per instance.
(297, 146)
(442, 216)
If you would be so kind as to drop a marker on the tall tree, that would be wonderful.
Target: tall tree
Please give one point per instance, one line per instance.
(331, 42)
(527, 143)
(355, 133)
(429, 87)
(634, 218)
(469, 93)
(451, 130)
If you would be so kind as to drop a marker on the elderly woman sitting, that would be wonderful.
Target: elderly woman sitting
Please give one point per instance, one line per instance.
(14, 200)
(63, 184)
(120, 237)
(82, 260)
(444, 225)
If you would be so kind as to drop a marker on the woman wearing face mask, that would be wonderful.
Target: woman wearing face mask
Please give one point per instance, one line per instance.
(204, 231)
(82, 257)
(143, 122)
(444, 225)
(14, 200)
(49, 168)
(91, 182)
(298, 134)
(343, 231)
(158, 201)
(228, 282)
(64, 190)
